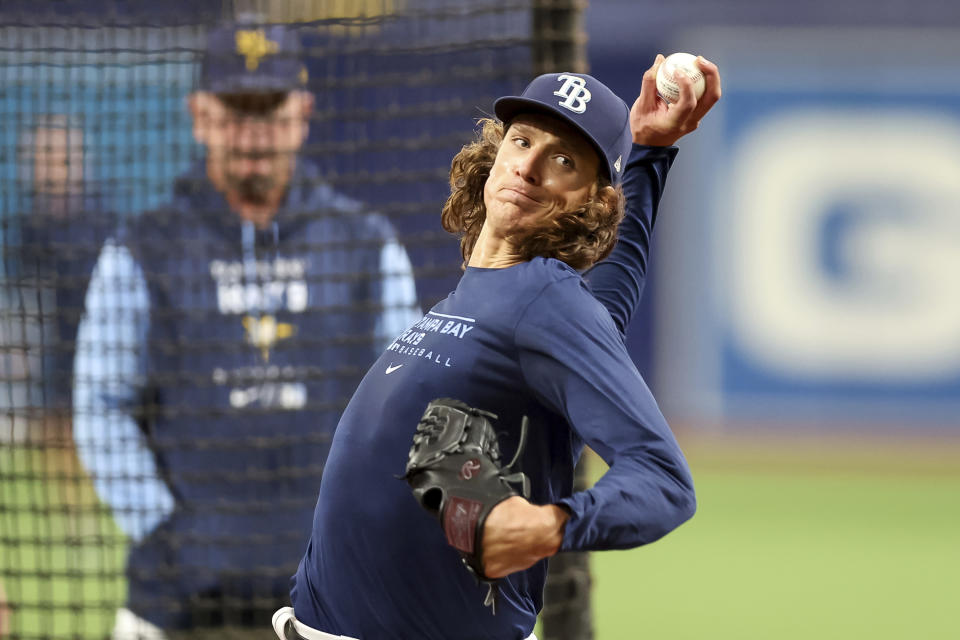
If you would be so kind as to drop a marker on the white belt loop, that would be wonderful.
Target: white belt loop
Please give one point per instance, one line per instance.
(280, 619)
(286, 615)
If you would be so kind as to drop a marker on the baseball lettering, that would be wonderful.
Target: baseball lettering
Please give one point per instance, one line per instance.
(409, 342)
(284, 395)
(422, 352)
(264, 386)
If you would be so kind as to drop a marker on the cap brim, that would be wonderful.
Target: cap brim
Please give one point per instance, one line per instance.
(251, 84)
(508, 107)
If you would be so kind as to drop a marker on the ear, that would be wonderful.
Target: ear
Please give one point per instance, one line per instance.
(305, 104)
(199, 105)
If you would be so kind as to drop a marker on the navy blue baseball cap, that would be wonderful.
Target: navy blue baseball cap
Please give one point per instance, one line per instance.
(252, 59)
(584, 102)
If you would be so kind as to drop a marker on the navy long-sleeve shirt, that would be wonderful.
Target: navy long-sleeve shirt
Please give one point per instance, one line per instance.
(533, 339)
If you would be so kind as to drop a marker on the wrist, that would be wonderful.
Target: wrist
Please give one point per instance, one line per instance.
(554, 523)
(654, 139)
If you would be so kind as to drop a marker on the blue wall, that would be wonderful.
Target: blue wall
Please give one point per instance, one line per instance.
(808, 245)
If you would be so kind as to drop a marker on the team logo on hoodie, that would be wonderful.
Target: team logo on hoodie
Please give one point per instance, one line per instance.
(263, 332)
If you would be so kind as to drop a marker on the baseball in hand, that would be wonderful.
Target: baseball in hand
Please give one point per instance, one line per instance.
(667, 85)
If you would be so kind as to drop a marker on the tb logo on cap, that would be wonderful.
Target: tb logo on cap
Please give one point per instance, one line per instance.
(253, 45)
(575, 94)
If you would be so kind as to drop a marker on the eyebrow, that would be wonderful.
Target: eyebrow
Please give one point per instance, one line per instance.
(561, 141)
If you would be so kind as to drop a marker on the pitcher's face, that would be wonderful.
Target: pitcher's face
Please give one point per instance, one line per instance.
(544, 167)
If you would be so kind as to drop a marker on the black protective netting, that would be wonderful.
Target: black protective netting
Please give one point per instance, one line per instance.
(171, 369)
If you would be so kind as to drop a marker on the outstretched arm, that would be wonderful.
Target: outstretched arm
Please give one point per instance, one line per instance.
(108, 372)
(618, 281)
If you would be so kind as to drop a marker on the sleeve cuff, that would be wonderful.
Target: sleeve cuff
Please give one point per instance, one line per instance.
(648, 153)
(569, 505)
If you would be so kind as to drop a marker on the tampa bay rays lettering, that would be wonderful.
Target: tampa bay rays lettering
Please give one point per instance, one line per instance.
(575, 93)
(431, 324)
(281, 284)
(408, 342)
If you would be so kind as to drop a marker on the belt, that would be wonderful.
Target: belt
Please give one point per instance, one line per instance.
(287, 627)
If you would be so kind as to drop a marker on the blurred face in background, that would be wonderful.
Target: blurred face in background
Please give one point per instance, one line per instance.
(56, 155)
(58, 160)
(252, 141)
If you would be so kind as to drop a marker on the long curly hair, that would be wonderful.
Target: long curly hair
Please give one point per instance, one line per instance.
(579, 238)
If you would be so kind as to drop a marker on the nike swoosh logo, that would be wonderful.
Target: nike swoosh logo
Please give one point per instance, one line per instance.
(393, 368)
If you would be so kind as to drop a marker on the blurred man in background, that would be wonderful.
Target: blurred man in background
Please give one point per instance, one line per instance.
(50, 244)
(61, 240)
(222, 336)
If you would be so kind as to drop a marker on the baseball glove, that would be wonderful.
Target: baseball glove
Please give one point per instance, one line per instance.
(455, 472)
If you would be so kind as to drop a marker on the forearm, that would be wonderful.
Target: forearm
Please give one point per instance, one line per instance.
(109, 442)
(648, 489)
(109, 369)
(597, 389)
(618, 281)
(639, 500)
(122, 469)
